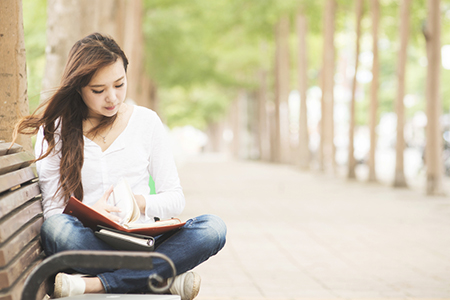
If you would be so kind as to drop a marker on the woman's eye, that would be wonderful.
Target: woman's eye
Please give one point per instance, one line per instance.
(97, 92)
(120, 85)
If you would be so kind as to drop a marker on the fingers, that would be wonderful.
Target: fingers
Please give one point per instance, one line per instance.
(112, 217)
(110, 208)
(107, 193)
(106, 209)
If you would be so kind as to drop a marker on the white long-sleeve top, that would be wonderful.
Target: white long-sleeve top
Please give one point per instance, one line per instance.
(141, 150)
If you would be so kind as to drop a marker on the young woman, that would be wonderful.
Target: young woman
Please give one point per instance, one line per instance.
(88, 139)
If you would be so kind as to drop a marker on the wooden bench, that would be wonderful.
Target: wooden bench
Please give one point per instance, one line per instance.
(25, 273)
(20, 221)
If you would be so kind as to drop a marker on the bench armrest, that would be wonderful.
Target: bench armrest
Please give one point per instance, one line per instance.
(94, 259)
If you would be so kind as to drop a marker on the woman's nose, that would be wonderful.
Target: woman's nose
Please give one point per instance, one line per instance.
(110, 96)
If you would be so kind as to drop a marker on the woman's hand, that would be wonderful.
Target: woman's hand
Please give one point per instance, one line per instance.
(102, 207)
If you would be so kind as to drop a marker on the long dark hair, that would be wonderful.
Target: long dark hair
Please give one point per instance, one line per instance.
(66, 110)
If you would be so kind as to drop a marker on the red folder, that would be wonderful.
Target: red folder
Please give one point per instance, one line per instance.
(91, 218)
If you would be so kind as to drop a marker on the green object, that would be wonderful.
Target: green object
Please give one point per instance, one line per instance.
(151, 184)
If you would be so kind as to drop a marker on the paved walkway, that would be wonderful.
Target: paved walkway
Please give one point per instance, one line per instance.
(295, 235)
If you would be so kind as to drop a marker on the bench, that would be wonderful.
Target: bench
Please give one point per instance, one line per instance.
(20, 221)
(25, 273)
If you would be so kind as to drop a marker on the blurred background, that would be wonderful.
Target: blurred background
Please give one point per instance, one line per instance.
(352, 88)
(271, 105)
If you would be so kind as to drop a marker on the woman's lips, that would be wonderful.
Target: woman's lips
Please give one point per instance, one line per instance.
(111, 107)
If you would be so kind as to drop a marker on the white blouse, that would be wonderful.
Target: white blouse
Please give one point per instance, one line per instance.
(141, 150)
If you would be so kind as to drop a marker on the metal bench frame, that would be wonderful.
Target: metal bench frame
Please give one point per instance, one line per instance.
(95, 259)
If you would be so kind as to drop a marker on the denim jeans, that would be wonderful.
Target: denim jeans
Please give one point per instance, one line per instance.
(199, 239)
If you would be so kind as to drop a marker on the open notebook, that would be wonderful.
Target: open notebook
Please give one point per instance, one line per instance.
(123, 198)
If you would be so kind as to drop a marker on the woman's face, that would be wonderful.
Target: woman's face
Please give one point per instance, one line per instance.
(106, 91)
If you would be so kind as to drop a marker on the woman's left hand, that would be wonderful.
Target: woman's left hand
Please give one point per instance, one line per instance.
(105, 209)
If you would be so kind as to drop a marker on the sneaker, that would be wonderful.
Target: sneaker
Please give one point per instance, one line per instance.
(186, 285)
(69, 285)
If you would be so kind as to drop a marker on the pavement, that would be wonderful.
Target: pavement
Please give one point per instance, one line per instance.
(306, 235)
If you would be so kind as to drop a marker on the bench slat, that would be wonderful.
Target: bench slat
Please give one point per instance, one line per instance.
(11, 224)
(14, 149)
(20, 221)
(15, 291)
(9, 250)
(14, 199)
(15, 178)
(15, 161)
(15, 270)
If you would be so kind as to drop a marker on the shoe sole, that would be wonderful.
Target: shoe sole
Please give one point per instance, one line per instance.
(196, 287)
(58, 286)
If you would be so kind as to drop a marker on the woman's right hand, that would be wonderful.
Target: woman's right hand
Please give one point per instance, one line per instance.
(105, 209)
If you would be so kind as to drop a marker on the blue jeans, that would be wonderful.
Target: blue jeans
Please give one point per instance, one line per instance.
(199, 239)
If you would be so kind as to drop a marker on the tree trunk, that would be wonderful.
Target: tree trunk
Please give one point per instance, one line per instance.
(153, 95)
(214, 132)
(253, 125)
(433, 150)
(239, 124)
(351, 157)
(303, 138)
(282, 150)
(399, 180)
(13, 74)
(67, 22)
(327, 149)
(375, 8)
(235, 120)
(273, 128)
(263, 130)
(109, 18)
(140, 87)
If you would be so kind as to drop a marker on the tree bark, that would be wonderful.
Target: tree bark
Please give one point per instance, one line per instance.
(375, 8)
(303, 138)
(239, 122)
(276, 139)
(235, 118)
(214, 132)
(67, 22)
(263, 130)
(13, 74)
(433, 148)
(153, 95)
(109, 18)
(351, 157)
(282, 151)
(272, 122)
(399, 180)
(327, 149)
(140, 87)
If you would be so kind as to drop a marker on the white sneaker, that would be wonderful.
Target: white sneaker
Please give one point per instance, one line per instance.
(69, 285)
(186, 285)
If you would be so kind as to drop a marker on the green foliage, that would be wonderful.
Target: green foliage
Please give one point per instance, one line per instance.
(194, 106)
(201, 53)
(201, 50)
(313, 12)
(178, 49)
(34, 19)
